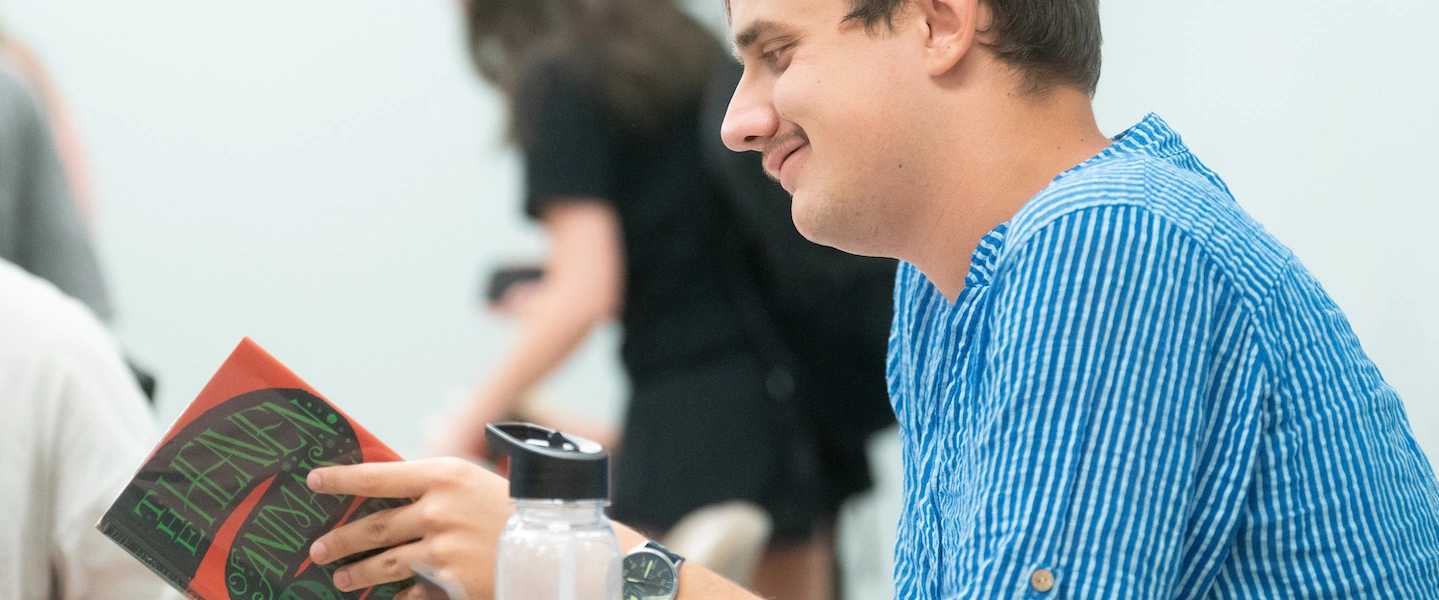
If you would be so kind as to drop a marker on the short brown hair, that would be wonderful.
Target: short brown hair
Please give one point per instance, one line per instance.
(1051, 41)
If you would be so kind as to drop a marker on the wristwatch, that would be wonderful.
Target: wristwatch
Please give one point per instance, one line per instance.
(651, 572)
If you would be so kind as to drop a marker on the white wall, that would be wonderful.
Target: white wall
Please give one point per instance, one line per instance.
(324, 176)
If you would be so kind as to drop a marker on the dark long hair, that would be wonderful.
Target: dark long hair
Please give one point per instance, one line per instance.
(646, 59)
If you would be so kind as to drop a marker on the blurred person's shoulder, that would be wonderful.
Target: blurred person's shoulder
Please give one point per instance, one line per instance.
(41, 325)
(75, 425)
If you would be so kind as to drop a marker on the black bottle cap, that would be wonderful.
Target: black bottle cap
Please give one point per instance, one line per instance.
(548, 465)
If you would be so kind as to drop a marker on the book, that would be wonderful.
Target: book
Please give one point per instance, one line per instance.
(221, 510)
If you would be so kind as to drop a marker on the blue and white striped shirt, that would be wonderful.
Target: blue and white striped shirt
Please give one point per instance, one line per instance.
(1141, 394)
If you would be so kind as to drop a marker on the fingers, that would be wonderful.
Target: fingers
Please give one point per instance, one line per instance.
(420, 592)
(386, 528)
(433, 584)
(385, 567)
(458, 513)
(414, 592)
(381, 479)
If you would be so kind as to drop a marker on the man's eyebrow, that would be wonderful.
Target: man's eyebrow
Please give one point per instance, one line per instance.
(752, 33)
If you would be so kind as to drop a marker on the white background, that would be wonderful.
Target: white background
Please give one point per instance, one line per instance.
(328, 177)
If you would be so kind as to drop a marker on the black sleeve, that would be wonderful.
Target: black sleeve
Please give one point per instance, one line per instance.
(570, 150)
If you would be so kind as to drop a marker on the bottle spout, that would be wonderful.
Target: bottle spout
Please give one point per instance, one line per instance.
(549, 465)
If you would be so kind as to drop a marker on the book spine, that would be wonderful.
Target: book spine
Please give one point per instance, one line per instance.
(149, 557)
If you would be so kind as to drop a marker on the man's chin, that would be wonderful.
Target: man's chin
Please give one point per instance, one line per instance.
(803, 215)
(813, 222)
(838, 229)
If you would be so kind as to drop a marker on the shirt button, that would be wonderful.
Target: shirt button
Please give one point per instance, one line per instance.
(1042, 580)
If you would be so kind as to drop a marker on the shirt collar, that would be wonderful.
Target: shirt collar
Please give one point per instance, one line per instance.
(985, 257)
(1151, 136)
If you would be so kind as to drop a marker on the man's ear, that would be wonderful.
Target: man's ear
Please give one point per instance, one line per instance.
(950, 27)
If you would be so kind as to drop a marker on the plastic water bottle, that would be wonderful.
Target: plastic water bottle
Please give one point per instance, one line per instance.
(559, 545)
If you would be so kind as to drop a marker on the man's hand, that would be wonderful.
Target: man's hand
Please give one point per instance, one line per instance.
(453, 526)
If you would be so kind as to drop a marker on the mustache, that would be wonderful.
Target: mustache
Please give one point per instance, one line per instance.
(784, 139)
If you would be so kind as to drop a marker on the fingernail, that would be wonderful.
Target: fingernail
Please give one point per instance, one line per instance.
(342, 580)
(318, 552)
(313, 480)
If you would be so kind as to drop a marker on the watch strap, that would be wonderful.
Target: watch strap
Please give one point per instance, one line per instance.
(657, 547)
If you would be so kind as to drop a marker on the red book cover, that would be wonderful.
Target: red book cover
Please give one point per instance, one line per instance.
(221, 509)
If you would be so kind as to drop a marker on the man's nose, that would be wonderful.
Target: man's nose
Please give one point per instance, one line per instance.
(751, 119)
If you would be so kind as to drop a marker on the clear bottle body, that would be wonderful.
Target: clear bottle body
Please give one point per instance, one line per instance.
(552, 550)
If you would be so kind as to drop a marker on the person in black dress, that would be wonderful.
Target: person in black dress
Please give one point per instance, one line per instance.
(606, 104)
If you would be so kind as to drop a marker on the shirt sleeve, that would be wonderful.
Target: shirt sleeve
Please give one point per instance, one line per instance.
(571, 152)
(1109, 332)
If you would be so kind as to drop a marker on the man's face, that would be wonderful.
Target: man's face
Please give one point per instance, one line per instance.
(837, 112)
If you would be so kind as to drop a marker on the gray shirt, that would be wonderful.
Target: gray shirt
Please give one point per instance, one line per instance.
(40, 226)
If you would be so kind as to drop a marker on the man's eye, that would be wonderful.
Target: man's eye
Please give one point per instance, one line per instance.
(773, 57)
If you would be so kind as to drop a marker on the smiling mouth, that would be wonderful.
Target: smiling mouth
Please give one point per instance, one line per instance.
(780, 171)
(781, 149)
(779, 164)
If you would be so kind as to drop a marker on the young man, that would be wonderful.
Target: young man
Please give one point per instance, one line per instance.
(1110, 381)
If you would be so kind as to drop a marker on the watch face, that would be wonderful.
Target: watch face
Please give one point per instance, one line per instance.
(648, 576)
